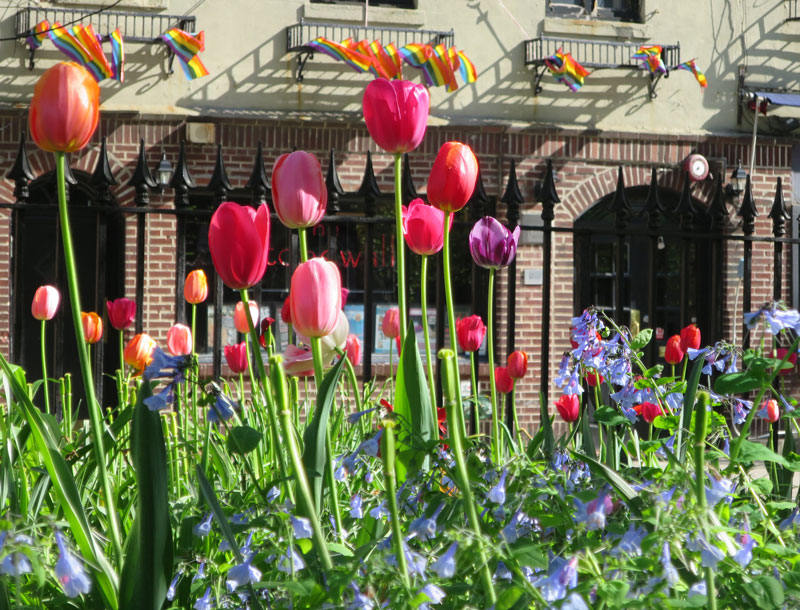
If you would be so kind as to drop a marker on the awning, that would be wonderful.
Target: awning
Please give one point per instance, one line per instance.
(780, 99)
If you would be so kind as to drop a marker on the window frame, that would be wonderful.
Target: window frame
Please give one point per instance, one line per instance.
(589, 9)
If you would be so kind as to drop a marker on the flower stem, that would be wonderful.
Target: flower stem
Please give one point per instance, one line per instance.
(496, 451)
(390, 476)
(44, 372)
(400, 245)
(476, 423)
(700, 417)
(426, 331)
(316, 352)
(95, 415)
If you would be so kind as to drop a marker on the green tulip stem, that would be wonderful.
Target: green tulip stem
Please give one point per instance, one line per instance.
(496, 455)
(700, 429)
(451, 318)
(44, 372)
(390, 477)
(473, 377)
(400, 244)
(268, 398)
(316, 350)
(426, 332)
(95, 415)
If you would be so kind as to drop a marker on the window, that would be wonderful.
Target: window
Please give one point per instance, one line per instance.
(614, 10)
(412, 4)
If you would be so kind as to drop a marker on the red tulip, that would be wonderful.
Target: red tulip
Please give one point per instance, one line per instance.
(299, 193)
(236, 357)
(65, 108)
(423, 228)
(770, 410)
(179, 340)
(690, 337)
(593, 378)
(674, 353)
(470, 332)
(265, 324)
(391, 323)
(238, 237)
(517, 364)
(396, 114)
(92, 327)
(353, 349)
(195, 288)
(780, 353)
(453, 177)
(649, 411)
(317, 289)
(569, 407)
(45, 302)
(121, 312)
(240, 318)
(503, 380)
(286, 312)
(139, 351)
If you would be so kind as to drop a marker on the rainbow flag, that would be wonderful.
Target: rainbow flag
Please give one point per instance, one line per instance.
(38, 34)
(98, 64)
(566, 70)
(442, 68)
(418, 55)
(466, 68)
(187, 47)
(69, 45)
(117, 55)
(342, 52)
(651, 57)
(691, 66)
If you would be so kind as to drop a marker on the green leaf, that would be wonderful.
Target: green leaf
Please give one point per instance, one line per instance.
(737, 383)
(622, 487)
(642, 339)
(754, 452)
(610, 417)
(315, 449)
(148, 559)
(688, 406)
(546, 428)
(412, 405)
(243, 439)
(335, 547)
(508, 598)
(586, 433)
(666, 422)
(762, 485)
(766, 592)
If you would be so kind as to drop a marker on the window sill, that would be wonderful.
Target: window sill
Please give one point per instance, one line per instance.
(377, 15)
(599, 28)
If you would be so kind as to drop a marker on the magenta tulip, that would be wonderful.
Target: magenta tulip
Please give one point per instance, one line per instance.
(452, 178)
(396, 114)
(298, 190)
(45, 302)
(236, 357)
(179, 340)
(315, 297)
(121, 312)
(238, 237)
(470, 332)
(492, 245)
(423, 227)
(240, 319)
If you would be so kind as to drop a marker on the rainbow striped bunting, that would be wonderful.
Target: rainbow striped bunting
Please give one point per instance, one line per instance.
(69, 45)
(117, 55)
(566, 70)
(342, 52)
(98, 64)
(187, 47)
(38, 35)
(651, 58)
(691, 66)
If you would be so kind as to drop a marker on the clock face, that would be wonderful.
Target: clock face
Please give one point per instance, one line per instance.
(698, 167)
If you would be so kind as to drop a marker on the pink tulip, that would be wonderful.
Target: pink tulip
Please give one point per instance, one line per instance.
(121, 312)
(236, 357)
(353, 349)
(423, 227)
(316, 297)
(391, 323)
(45, 302)
(238, 237)
(298, 362)
(470, 332)
(299, 193)
(452, 178)
(240, 318)
(179, 340)
(396, 114)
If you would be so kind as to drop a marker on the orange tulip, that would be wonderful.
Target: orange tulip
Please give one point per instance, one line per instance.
(92, 327)
(65, 108)
(139, 351)
(240, 317)
(517, 364)
(195, 289)
(452, 178)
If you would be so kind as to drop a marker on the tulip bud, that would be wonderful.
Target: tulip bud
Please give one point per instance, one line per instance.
(236, 357)
(179, 340)
(353, 349)
(195, 288)
(240, 318)
(316, 300)
(238, 238)
(452, 178)
(503, 380)
(770, 410)
(92, 327)
(470, 332)
(262, 335)
(423, 228)
(649, 411)
(139, 351)
(298, 362)
(593, 378)
(491, 244)
(569, 407)
(45, 302)
(391, 323)
(690, 338)
(517, 364)
(396, 113)
(121, 312)
(299, 193)
(286, 312)
(673, 353)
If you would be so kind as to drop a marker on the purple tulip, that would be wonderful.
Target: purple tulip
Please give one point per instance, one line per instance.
(492, 245)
